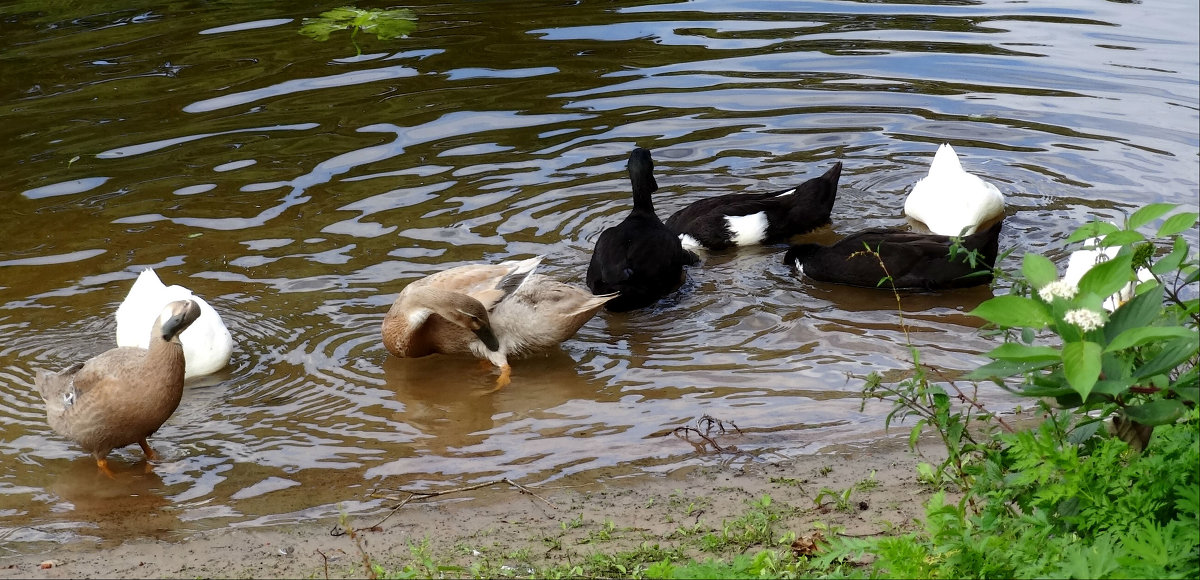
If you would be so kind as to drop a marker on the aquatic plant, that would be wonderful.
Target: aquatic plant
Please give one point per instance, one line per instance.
(384, 24)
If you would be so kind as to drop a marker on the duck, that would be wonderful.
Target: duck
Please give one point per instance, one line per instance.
(207, 344)
(1092, 253)
(915, 261)
(491, 311)
(123, 395)
(950, 201)
(640, 259)
(744, 219)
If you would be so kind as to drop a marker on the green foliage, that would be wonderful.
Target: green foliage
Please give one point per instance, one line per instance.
(1139, 360)
(755, 527)
(1065, 499)
(384, 24)
(1053, 513)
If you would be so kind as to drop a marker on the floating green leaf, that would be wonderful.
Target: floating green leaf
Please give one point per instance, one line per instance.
(384, 24)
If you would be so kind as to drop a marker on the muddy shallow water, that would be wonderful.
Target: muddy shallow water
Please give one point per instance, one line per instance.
(298, 187)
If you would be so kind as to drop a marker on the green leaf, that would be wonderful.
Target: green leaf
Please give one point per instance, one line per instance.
(1081, 365)
(1091, 230)
(1018, 352)
(999, 369)
(1173, 354)
(1143, 334)
(1156, 412)
(384, 24)
(1121, 238)
(1038, 269)
(1171, 262)
(1148, 214)
(1013, 311)
(1047, 391)
(1111, 388)
(1141, 310)
(1177, 223)
(1107, 277)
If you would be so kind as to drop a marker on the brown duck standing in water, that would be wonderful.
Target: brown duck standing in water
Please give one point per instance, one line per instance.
(123, 395)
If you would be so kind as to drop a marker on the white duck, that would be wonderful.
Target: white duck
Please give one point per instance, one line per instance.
(1083, 260)
(949, 199)
(207, 344)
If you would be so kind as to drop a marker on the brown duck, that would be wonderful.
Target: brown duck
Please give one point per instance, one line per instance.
(491, 311)
(123, 395)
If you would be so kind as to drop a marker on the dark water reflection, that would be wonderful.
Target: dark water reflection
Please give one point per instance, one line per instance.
(298, 187)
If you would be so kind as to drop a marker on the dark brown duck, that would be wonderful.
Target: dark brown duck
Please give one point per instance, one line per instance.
(123, 395)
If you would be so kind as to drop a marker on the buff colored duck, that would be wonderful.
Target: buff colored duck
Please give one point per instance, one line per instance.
(123, 395)
(950, 201)
(207, 344)
(491, 311)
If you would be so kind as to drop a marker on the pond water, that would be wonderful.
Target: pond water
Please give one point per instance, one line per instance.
(298, 186)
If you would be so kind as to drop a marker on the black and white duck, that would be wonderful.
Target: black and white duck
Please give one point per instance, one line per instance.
(743, 219)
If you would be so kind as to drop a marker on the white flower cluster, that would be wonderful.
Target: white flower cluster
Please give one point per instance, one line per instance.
(1058, 288)
(1085, 319)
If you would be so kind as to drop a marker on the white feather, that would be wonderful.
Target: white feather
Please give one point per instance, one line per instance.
(207, 344)
(688, 242)
(949, 199)
(748, 229)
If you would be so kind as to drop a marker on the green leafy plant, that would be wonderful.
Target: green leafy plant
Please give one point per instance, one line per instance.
(1065, 499)
(384, 24)
(1139, 361)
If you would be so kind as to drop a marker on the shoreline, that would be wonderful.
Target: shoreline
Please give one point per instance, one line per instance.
(867, 490)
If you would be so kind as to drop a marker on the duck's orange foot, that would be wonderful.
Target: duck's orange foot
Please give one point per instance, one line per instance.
(145, 445)
(102, 463)
(504, 379)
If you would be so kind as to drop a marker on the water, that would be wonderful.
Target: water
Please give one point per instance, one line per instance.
(298, 187)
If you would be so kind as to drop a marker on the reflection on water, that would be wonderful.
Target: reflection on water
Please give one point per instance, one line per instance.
(298, 187)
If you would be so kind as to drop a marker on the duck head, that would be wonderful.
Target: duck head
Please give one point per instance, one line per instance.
(176, 317)
(641, 171)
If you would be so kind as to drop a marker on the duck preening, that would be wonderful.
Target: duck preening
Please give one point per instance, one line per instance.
(123, 395)
(914, 261)
(743, 219)
(640, 259)
(207, 344)
(950, 201)
(491, 311)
